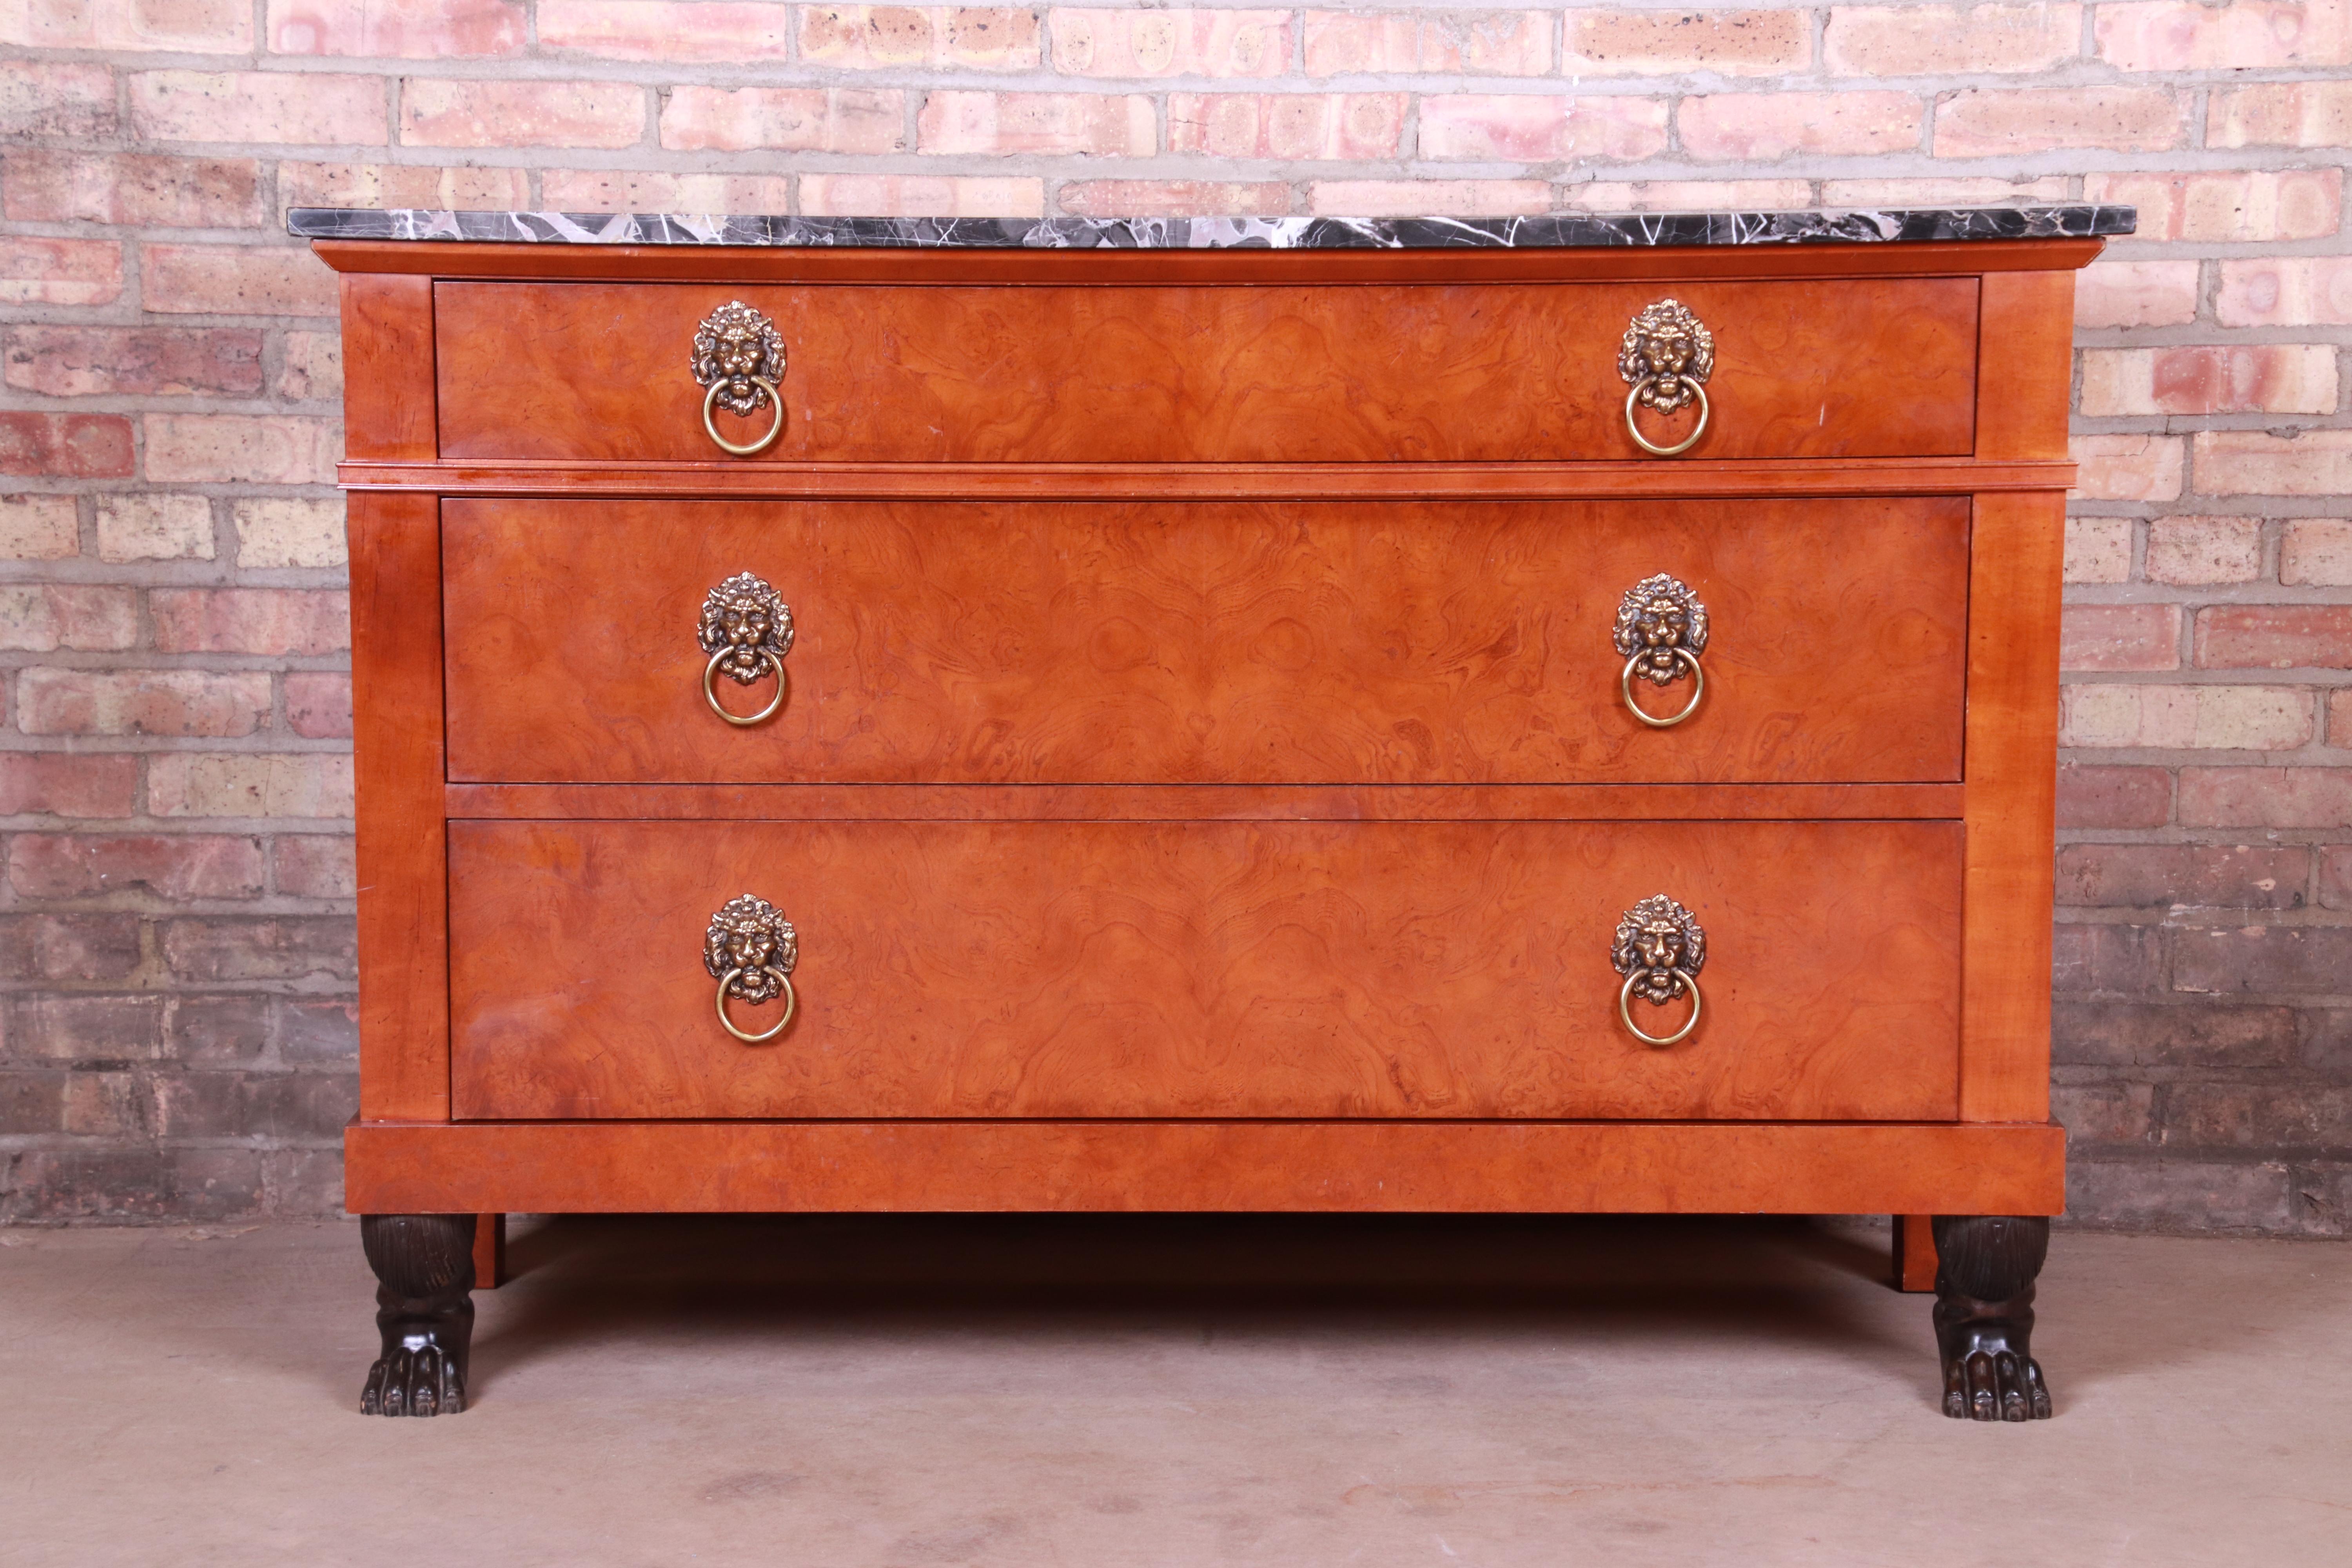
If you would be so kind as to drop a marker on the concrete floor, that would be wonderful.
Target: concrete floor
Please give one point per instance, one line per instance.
(1101, 1391)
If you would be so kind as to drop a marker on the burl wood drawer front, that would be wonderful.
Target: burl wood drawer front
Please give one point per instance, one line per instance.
(1502, 373)
(1197, 969)
(1284, 643)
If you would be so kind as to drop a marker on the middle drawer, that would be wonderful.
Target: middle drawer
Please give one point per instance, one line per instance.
(1242, 643)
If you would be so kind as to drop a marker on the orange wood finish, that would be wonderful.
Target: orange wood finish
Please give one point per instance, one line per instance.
(1295, 644)
(1199, 969)
(1395, 1167)
(489, 1251)
(1864, 367)
(403, 951)
(388, 409)
(1914, 1252)
(2029, 323)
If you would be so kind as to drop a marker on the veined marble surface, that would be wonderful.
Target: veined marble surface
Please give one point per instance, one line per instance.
(1874, 227)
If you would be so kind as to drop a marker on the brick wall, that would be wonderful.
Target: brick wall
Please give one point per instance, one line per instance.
(174, 782)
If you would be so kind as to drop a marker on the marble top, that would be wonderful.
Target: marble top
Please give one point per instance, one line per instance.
(1565, 230)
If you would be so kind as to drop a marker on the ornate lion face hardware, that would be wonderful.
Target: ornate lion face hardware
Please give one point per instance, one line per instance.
(1661, 629)
(746, 629)
(1667, 356)
(751, 951)
(738, 356)
(1659, 949)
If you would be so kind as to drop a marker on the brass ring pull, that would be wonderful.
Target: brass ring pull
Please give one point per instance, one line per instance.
(1625, 1009)
(776, 426)
(783, 684)
(792, 1003)
(1682, 656)
(1632, 429)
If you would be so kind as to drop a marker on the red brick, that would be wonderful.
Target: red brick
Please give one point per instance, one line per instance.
(1686, 195)
(169, 865)
(2091, 958)
(318, 704)
(2098, 549)
(2285, 290)
(42, 617)
(1131, 43)
(1994, 122)
(2235, 378)
(1174, 198)
(2282, 114)
(66, 785)
(261, 949)
(314, 866)
(259, 106)
(82, 362)
(2183, 876)
(785, 119)
(2172, 717)
(2199, 550)
(288, 530)
(2264, 961)
(894, 37)
(56, 99)
(310, 368)
(59, 271)
(277, 449)
(141, 702)
(70, 946)
(2103, 1113)
(645, 190)
(2227, 206)
(2254, 462)
(1302, 126)
(922, 196)
(2336, 877)
(1005, 124)
(2120, 637)
(2275, 637)
(66, 446)
(250, 620)
(176, 27)
(1675, 43)
(248, 785)
(236, 280)
(1758, 127)
(131, 188)
(2128, 468)
(2140, 1034)
(2266, 798)
(726, 32)
(1410, 199)
(2114, 796)
(1450, 43)
(440, 113)
(150, 525)
(412, 29)
(401, 186)
(2316, 550)
(1530, 127)
(1949, 40)
(38, 528)
(1947, 190)
(2110, 293)
(2186, 36)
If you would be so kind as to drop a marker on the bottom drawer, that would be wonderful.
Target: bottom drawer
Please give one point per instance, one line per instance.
(1153, 969)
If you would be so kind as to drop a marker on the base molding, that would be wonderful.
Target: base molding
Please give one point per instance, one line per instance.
(1627, 1167)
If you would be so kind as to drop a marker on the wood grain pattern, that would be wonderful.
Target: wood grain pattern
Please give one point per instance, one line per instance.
(2028, 329)
(2012, 786)
(395, 572)
(1207, 803)
(1863, 367)
(1207, 643)
(489, 1251)
(847, 264)
(388, 405)
(1216, 481)
(1203, 969)
(1394, 1167)
(1914, 1252)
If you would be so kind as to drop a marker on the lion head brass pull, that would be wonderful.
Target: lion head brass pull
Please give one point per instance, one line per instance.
(1666, 359)
(747, 629)
(740, 356)
(751, 951)
(1661, 629)
(1659, 950)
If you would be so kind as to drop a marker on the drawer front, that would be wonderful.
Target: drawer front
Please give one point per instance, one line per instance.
(1291, 643)
(1496, 372)
(1214, 970)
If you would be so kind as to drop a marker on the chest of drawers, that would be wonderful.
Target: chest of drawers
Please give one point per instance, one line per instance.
(1440, 718)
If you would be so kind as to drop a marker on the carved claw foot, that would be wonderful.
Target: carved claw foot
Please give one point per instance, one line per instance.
(425, 1310)
(1986, 1266)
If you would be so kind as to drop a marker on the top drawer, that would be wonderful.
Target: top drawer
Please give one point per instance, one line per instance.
(1329, 372)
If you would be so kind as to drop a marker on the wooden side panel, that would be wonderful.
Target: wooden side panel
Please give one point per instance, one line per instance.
(2012, 781)
(489, 1251)
(388, 398)
(395, 550)
(1143, 1166)
(1256, 373)
(1914, 1252)
(1205, 969)
(1298, 643)
(2028, 351)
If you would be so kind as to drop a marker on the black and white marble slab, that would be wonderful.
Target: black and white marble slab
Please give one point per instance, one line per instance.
(1565, 230)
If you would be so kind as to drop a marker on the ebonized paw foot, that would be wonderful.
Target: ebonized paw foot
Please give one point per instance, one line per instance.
(425, 1311)
(1986, 1266)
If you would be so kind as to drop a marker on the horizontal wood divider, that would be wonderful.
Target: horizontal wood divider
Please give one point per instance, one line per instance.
(1714, 1167)
(1117, 267)
(1206, 803)
(720, 480)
